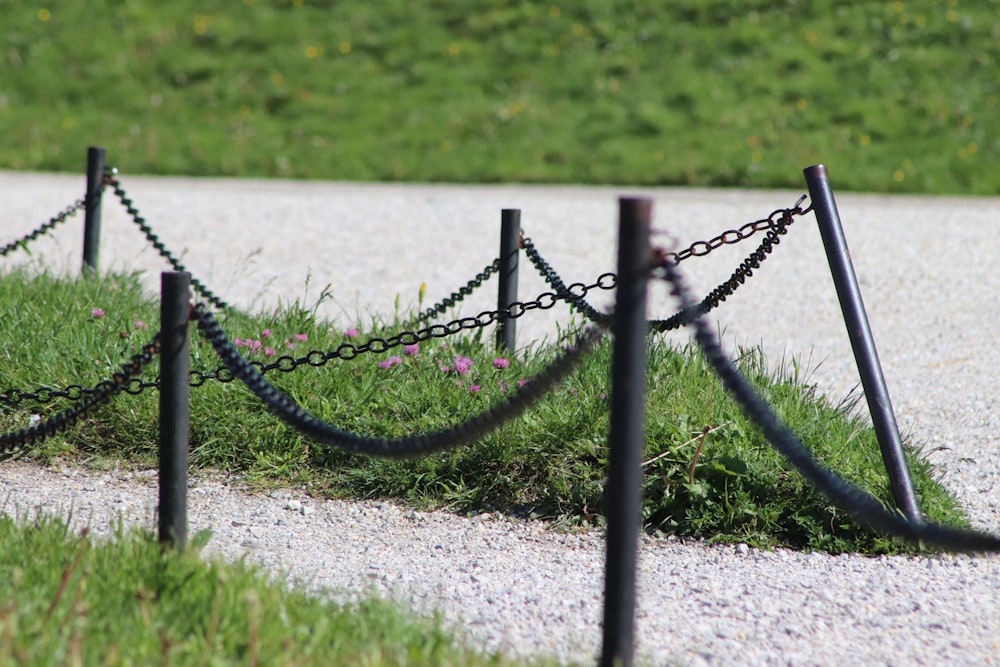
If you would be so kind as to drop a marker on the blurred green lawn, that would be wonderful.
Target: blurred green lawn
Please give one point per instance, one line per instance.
(892, 96)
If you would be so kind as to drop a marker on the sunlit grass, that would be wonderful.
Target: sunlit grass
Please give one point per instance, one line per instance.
(69, 599)
(892, 96)
(708, 472)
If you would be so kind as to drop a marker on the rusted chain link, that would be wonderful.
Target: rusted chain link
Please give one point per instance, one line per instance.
(412, 445)
(743, 271)
(123, 380)
(53, 222)
(734, 236)
(459, 295)
(848, 496)
(111, 178)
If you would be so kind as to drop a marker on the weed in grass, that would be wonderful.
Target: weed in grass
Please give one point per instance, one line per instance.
(708, 471)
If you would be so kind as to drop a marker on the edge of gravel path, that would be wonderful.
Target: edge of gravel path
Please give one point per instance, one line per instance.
(927, 271)
(527, 589)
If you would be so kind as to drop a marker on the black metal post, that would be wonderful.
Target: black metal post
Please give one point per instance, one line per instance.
(626, 439)
(510, 245)
(175, 311)
(862, 341)
(92, 209)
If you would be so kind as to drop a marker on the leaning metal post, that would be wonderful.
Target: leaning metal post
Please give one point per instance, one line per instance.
(865, 354)
(92, 209)
(510, 242)
(175, 308)
(626, 438)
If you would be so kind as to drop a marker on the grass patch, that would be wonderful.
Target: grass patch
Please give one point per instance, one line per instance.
(892, 96)
(551, 463)
(68, 599)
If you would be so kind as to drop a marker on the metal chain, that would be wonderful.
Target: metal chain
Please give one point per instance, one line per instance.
(411, 445)
(54, 221)
(317, 358)
(776, 224)
(73, 392)
(734, 236)
(346, 351)
(123, 380)
(574, 294)
(738, 277)
(111, 178)
(552, 278)
(848, 496)
(458, 296)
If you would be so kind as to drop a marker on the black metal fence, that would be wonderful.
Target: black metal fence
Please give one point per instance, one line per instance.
(638, 263)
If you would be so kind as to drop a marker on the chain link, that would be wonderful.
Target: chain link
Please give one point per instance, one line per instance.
(126, 380)
(734, 236)
(73, 392)
(776, 225)
(459, 295)
(855, 500)
(411, 445)
(607, 281)
(111, 178)
(779, 227)
(347, 351)
(575, 294)
(45, 228)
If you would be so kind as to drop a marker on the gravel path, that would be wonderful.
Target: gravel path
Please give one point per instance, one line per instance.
(928, 276)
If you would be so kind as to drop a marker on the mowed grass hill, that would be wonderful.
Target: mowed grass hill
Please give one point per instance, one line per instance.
(892, 96)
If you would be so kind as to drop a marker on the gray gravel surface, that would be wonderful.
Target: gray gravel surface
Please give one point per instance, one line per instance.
(927, 268)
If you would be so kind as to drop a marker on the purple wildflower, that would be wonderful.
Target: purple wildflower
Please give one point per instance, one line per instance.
(97, 312)
(474, 388)
(501, 363)
(462, 364)
(411, 350)
(390, 362)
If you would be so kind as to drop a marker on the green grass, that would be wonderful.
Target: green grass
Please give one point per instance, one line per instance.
(68, 599)
(550, 463)
(892, 96)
